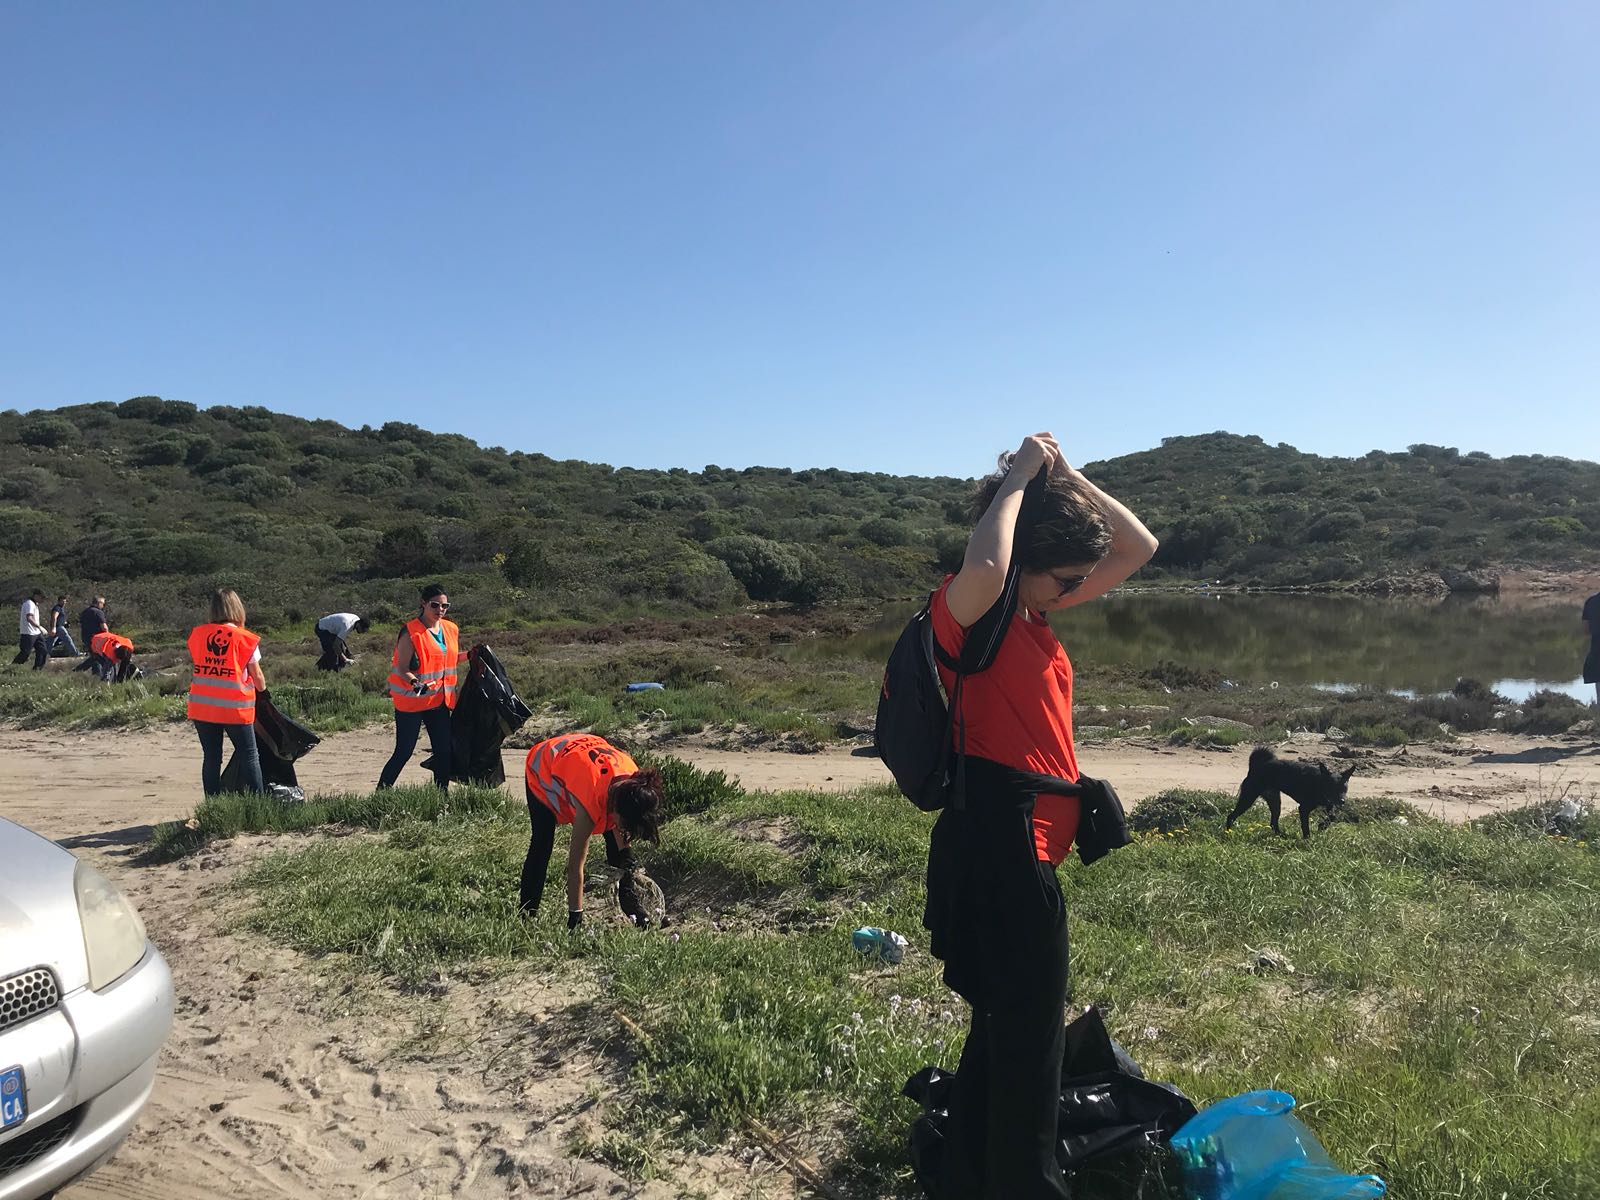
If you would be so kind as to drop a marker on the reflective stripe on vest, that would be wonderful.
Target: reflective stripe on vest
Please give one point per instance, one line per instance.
(434, 665)
(220, 690)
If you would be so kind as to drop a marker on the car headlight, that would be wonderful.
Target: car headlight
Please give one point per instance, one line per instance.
(113, 934)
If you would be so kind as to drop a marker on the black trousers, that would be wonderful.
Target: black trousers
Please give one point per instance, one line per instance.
(541, 842)
(999, 924)
(1001, 1136)
(333, 651)
(36, 644)
(407, 725)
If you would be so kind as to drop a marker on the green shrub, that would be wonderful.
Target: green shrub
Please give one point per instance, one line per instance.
(885, 531)
(139, 552)
(950, 550)
(1560, 816)
(1181, 677)
(263, 444)
(1179, 808)
(163, 452)
(26, 530)
(1547, 712)
(371, 479)
(253, 484)
(176, 412)
(688, 788)
(408, 551)
(526, 563)
(141, 408)
(766, 569)
(49, 432)
(1336, 526)
(1357, 810)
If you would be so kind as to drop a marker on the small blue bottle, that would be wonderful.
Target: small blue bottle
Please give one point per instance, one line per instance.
(1253, 1147)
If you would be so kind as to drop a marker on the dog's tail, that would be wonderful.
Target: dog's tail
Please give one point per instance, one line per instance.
(1261, 758)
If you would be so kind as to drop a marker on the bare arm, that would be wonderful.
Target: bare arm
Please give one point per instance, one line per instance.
(577, 855)
(406, 656)
(257, 677)
(983, 571)
(1132, 545)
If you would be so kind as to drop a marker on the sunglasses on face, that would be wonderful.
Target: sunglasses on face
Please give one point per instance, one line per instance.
(437, 607)
(1070, 583)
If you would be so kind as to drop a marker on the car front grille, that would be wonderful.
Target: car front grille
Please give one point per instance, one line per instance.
(33, 1145)
(25, 996)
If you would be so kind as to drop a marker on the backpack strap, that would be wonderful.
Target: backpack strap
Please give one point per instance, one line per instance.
(978, 653)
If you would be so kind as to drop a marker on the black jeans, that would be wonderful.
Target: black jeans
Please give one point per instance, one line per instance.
(407, 725)
(36, 644)
(243, 738)
(541, 841)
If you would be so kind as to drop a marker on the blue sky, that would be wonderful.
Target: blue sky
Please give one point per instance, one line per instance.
(885, 236)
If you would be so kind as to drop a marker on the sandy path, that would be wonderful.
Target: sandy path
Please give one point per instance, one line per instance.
(277, 1086)
(99, 784)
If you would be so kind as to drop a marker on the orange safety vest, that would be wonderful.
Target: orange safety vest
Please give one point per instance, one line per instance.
(577, 768)
(105, 644)
(433, 663)
(220, 689)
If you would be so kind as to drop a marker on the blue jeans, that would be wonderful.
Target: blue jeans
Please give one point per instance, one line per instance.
(63, 636)
(407, 725)
(243, 738)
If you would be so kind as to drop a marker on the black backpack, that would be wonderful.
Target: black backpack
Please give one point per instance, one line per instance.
(914, 727)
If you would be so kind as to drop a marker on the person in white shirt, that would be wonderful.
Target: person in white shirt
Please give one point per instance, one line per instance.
(331, 632)
(32, 636)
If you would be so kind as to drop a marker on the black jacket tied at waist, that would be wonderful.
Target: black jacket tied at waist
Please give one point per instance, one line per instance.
(988, 893)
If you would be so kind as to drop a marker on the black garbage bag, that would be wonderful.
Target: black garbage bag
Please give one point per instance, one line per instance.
(1112, 1127)
(487, 712)
(332, 658)
(280, 741)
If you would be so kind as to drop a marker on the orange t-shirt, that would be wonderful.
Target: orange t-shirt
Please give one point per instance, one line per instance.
(1019, 713)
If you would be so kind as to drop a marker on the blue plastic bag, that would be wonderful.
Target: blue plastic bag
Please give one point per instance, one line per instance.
(1253, 1147)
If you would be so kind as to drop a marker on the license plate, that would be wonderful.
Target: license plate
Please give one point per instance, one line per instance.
(13, 1097)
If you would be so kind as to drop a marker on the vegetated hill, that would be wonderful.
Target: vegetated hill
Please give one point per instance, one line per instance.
(155, 501)
(1237, 509)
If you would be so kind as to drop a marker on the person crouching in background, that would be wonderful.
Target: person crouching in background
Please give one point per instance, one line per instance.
(332, 630)
(113, 656)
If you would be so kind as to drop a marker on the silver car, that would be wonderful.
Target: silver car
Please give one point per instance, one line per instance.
(85, 1003)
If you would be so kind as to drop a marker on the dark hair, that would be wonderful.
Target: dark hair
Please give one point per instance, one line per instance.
(361, 625)
(1060, 523)
(432, 590)
(639, 803)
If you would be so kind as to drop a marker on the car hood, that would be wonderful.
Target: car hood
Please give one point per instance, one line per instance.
(39, 923)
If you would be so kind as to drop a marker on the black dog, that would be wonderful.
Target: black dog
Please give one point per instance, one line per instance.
(1310, 786)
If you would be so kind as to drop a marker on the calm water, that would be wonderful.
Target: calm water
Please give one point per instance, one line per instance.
(1345, 642)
